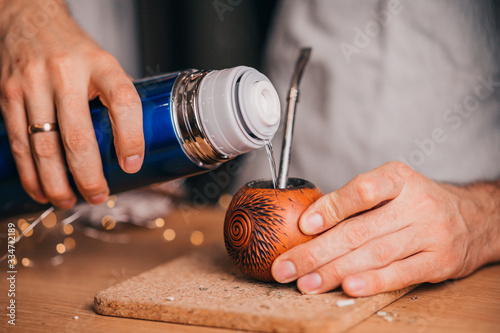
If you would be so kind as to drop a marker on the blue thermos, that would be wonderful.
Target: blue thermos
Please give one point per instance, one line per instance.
(194, 120)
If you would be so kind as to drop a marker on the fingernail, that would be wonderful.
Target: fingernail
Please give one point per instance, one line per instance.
(98, 199)
(284, 271)
(313, 224)
(132, 163)
(309, 283)
(355, 284)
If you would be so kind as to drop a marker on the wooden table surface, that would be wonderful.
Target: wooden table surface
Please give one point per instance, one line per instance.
(59, 298)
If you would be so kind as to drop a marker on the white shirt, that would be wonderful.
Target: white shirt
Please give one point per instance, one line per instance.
(415, 81)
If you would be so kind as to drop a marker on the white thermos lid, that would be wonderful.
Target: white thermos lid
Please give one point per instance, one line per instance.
(239, 109)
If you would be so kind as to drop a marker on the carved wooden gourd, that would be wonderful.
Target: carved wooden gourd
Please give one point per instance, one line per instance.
(262, 222)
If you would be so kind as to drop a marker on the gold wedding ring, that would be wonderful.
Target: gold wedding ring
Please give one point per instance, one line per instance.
(47, 127)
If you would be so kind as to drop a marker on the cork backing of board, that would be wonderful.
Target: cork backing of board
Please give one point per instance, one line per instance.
(204, 288)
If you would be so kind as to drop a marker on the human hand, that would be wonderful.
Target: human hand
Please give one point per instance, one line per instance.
(426, 232)
(50, 69)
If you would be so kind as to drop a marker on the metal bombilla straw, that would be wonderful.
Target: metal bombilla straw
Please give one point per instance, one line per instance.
(292, 100)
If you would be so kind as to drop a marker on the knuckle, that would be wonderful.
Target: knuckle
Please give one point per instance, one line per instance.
(382, 253)
(123, 95)
(377, 282)
(367, 190)
(44, 146)
(10, 90)
(334, 273)
(57, 194)
(355, 234)
(58, 168)
(62, 68)
(79, 140)
(401, 168)
(135, 142)
(19, 148)
(60, 64)
(33, 71)
(428, 203)
(405, 278)
(92, 187)
(103, 57)
(332, 210)
(310, 259)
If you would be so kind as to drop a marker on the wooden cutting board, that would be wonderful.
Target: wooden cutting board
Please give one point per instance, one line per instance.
(203, 288)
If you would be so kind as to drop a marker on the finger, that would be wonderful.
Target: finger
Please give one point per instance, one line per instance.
(46, 147)
(80, 144)
(14, 115)
(377, 253)
(336, 242)
(418, 268)
(360, 194)
(125, 111)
